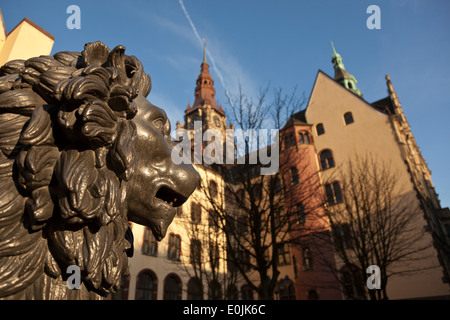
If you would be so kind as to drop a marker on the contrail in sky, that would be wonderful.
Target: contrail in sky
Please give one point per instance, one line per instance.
(201, 41)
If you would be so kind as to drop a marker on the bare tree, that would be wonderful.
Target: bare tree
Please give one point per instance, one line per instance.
(255, 214)
(374, 223)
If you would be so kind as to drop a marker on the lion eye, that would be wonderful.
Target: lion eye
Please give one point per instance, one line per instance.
(159, 124)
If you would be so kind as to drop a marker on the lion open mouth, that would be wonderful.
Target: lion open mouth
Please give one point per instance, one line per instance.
(170, 196)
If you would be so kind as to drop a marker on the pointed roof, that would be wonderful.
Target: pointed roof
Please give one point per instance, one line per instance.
(205, 94)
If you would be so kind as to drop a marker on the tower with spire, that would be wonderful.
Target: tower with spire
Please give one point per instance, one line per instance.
(341, 75)
(205, 107)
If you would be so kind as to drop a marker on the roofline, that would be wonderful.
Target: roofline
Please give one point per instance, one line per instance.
(357, 96)
(35, 26)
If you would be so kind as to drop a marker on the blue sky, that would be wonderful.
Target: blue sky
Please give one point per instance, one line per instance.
(283, 42)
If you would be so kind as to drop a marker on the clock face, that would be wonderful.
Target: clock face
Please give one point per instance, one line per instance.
(217, 121)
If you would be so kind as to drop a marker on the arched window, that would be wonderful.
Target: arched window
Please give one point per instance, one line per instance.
(149, 243)
(174, 250)
(286, 289)
(326, 159)
(172, 287)
(320, 129)
(146, 285)
(194, 289)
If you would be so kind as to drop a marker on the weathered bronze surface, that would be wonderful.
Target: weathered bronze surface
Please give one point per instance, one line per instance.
(82, 154)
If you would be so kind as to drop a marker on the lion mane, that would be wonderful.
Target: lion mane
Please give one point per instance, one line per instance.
(66, 141)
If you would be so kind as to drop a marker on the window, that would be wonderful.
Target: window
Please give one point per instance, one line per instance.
(146, 286)
(179, 211)
(326, 159)
(307, 259)
(172, 287)
(285, 288)
(213, 220)
(348, 118)
(284, 257)
(294, 175)
(213, 189)
(194, 289)
(196, 252)
(149, 243)
(333, 192)
(174, 247)
(342, 236)
(214, 255)
(289, 141)
(301, 213)
(196, 213)
(305, 138)
(320, 129)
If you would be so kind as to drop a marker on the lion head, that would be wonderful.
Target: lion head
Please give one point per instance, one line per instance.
(82, 154)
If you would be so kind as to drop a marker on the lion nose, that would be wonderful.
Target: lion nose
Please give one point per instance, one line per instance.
(186, 178)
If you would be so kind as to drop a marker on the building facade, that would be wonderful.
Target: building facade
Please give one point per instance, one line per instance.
(24, 41)
(337, 126)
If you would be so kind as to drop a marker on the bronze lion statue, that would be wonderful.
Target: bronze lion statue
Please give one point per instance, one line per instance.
(82, 153)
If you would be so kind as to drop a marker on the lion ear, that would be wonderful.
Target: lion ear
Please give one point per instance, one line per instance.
(95, 54)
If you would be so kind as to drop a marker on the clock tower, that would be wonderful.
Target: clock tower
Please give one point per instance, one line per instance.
(204, 108)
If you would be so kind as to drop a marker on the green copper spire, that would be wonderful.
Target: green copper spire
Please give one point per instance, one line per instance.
(341, 75)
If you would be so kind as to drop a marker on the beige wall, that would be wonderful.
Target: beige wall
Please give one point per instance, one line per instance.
(371, 132)
(25, 41)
